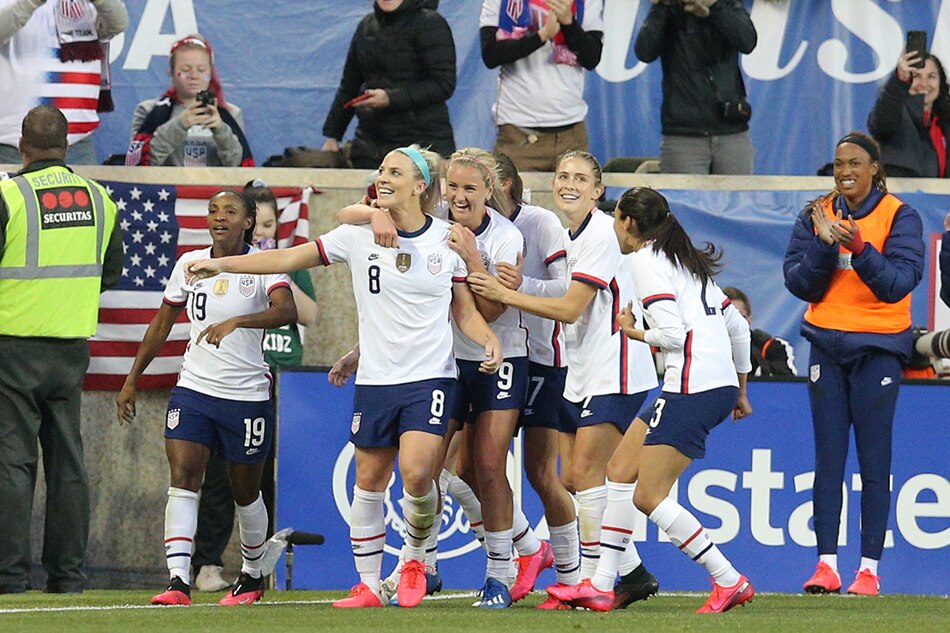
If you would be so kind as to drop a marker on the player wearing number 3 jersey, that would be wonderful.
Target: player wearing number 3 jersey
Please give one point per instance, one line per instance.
(222, 400)
(706, 343)
(405, 382)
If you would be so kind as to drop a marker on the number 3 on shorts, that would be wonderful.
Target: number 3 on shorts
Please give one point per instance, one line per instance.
(657, 412)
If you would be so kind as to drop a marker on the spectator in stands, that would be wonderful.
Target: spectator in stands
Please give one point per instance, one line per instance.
(855, 256)
(190, 125)
(771, 356)
(705, 114)
(911, 118)
(283, 347)
(543, 50)
(945, 262)
(55, 56)
(399, 73)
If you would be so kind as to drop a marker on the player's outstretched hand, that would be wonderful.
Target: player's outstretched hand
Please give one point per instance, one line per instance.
(201, 269)
(214, 334)
(344, 367)
(125, 404)
(510, 274)
(487, 285)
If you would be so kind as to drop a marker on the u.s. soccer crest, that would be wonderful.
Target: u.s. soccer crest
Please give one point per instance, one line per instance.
(485, 259)
(246, 284)
(434, 263)
(171, 421)
(355, 423)
(221, 287)
(403, 262)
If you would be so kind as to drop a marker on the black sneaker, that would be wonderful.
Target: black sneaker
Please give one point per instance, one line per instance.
(637, 585)
(178, 592)
(247, 590)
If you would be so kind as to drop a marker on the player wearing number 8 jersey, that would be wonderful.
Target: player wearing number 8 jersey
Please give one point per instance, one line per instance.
(222, 400)
(706, 342)
(406, 369)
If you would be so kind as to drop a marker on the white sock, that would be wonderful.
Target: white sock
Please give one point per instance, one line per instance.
(525, 540)
(831, 560)
(564, 544)
(181, 521)
(590, 513)
(368, 535)
(432, 546)
(616, 537)
(419, 515)
(869, 564)
(470, 505)
(252, 524)
(691, 537)
(499, 554)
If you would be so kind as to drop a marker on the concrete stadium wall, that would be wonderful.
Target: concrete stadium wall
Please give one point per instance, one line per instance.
(127, 467)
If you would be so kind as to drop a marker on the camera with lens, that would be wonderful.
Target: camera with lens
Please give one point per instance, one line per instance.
(205, 97)
(735, 110)
(931, 349)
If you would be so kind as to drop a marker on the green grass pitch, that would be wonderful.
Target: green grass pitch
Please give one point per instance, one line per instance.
(280, 611)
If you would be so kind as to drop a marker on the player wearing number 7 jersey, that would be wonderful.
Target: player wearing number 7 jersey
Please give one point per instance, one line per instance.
(706, 344)
(222, 400)
(406, 378)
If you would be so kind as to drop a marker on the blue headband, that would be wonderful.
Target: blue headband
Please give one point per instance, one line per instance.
(416, 157)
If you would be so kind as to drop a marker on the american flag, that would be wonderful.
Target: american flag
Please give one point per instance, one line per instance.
(160, 223)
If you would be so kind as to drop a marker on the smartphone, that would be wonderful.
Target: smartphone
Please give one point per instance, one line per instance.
(205, 97)
(917, 42)
(352, 102)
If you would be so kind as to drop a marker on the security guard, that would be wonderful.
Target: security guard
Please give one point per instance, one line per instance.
(60, 246)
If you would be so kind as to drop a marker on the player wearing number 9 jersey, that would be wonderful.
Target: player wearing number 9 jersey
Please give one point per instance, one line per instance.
(406, 369)
(706, 343)
(222, 400)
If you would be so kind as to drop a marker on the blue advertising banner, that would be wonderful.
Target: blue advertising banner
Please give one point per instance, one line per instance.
(813, 76)
(753, 492)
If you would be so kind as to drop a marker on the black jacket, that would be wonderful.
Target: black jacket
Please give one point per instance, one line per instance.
(897, 122)
(410, 54)
(694, 52)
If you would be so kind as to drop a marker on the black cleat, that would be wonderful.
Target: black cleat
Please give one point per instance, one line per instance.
(637, 585)
(247, 590)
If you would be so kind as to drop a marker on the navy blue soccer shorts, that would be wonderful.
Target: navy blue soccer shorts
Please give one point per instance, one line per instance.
(545, 406)
(239, 431)
(684, 420)
(477, 392)
(616, 408)
(382, 413)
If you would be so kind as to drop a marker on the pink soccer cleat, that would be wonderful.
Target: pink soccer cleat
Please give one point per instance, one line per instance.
(178, 593)
(361, 597)
(529, 567)
(412, 584)
(824, 580)
(584, 595)
(724, 598)
(865, 584)
(247, 590)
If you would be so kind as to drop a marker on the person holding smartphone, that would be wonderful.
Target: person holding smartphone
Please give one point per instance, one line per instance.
(855, 255)
(190, 125)
(911, 117)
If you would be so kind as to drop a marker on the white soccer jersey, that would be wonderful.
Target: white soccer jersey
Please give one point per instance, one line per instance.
(498, 241)
(704, 337)
(537, 91)
(545, 275)
(603, 360)
(236, 370)
(403, 300)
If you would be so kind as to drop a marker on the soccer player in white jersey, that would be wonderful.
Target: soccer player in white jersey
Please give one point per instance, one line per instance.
(222, 400)
(607, 378)
(406, 379)
(706, 342)
(488, 406)
(543, 272)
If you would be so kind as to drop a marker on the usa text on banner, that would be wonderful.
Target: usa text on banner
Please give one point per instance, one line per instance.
(159, 223)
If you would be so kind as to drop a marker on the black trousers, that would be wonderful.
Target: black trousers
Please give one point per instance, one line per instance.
(40, 391)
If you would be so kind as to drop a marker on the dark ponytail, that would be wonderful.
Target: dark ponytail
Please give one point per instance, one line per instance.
(651, 213)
